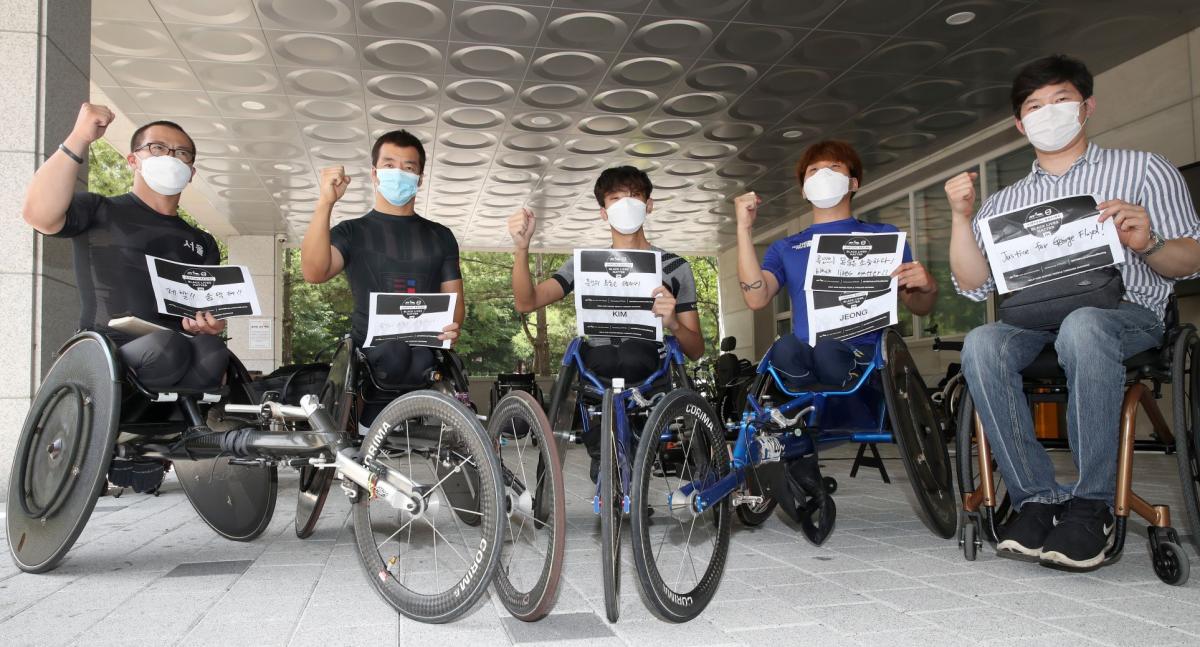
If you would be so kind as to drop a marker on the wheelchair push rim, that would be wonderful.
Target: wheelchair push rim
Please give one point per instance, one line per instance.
(428, 563)
(1185, 385)
(679, 551)
(533, 547)
(63, 454)
(919, 438)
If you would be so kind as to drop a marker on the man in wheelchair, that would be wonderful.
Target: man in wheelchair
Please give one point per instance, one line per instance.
(830, 172)
(389, 249)
(113, 236)
(623, 194)
(1070, 526)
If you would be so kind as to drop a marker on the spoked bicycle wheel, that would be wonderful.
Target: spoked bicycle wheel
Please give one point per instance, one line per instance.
(679, 551)
(966, 451)
(428, 563)
(531, 553)
(1185, 388)
(612, 505)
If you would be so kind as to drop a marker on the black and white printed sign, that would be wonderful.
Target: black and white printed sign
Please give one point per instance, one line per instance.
(613, 290)
(853, 262)
(1048, 241)
(414, 318)
(222, 290)
(843, 315)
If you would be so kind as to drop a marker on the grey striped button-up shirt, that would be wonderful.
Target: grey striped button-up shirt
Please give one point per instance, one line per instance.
(1137, 177)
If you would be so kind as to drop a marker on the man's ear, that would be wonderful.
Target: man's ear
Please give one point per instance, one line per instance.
(1089, 107)
(649, 205)
(131, 159)
(853, 184)
(1020, 126)
(603, 214)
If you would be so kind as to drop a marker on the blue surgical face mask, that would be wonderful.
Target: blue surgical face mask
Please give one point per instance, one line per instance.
(396, 186)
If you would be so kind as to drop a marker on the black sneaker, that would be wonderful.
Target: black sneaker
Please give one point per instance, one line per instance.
(1022, 537)
(594, 470)
(1079, 539)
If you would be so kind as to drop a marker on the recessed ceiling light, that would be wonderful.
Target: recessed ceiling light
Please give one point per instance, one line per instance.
(960, 18)
(282, 166)
(793, 134)
(540, 120)
(253, 105)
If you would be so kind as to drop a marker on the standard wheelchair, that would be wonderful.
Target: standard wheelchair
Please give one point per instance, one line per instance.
(91, 412)
(579, 400)
(773, 460)
(985, 506)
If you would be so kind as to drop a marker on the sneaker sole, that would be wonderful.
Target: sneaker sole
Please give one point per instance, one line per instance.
(1010, 549)
(1057, 560)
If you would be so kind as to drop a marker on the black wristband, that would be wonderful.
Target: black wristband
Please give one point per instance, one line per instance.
(70, 153)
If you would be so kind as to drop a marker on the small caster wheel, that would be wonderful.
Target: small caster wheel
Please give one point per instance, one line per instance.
(830, 484)
(970, 540)
(1171, 564)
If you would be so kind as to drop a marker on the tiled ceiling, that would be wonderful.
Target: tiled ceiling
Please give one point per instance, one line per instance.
(524, 102)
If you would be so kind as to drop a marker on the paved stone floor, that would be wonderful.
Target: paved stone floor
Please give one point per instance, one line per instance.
(148, 571)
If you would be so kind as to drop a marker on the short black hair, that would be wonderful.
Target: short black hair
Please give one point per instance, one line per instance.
(403, 139)
(630, 178)
(139, 135)
(1057, 68)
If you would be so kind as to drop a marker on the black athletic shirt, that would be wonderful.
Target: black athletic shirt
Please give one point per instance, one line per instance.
(112, 237)
(385, 253)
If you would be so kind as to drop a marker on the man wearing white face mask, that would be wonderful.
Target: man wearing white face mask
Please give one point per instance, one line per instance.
(113, 236)
(623, 194)
(389, 249)
(1069, 526)
(830, 172)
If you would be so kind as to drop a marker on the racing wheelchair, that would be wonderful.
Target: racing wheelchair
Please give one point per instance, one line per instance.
(91, 412)
(985, 505)
(532, 544)
(580, 399)
(683, 464)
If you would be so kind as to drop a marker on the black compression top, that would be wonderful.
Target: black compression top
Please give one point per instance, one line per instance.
(385, 253)
(112, 237)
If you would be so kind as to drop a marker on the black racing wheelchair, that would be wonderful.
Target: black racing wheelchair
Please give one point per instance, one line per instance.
(532, 542)
(985, 505)
(425, 476)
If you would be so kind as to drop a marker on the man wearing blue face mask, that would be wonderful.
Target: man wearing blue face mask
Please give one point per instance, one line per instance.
(389, 249)
(623, 194)
(1070, 526)
(112, 237)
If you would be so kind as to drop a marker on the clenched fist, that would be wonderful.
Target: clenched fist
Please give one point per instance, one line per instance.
(960, 191)
(91, 123)
(746, 208)
(333, 184)
(521, 226)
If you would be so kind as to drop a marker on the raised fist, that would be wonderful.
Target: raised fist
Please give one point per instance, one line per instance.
(746, 208)
(91, 123)
(960, 192)
(333, 183)
(521, 226)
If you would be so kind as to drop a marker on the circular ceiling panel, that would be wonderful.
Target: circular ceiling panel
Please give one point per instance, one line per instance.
(761, 108)
(647, 70)
(947, 120)
(592, 145)
(568, 66)
(730, 77)
(607, 124)
(468, 140)
(488, 60)
(794, 82)
(695, 104)
(330, 15)
(482, 92)
(402, 55)
(339, 153)
(493, 23)
(553, 96)
(754, 43)
(329, 109)
(402, 87)
(462, 158)
(828, 112)
(318, 50)
(223, 45)
(741, 170)
(480, 118)
(732, 131)
(531, 143)
(416, 18)
(689, 169)
(673, 36)
(887, 116)
(210, 12)
(321, 82)
(906, 140)
(238, 78)
(399, 114)
(652, 148)
(671, 128)
(625, 100)
(133, 39)
(541, 122)
(521, 160)
(587, 30)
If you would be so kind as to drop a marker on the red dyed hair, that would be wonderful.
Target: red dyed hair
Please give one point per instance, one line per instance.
(831, 150)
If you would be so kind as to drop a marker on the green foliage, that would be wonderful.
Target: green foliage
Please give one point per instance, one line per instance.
(320, 314)
(109, 174)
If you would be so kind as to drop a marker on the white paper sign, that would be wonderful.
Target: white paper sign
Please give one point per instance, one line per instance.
(1048, 241)
(843, 315)
(181, 289)
(853, 262)
(414, 318)
(259, 335)
(613, 290)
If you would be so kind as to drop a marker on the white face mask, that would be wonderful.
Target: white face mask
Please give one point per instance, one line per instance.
(626, 215)
(1051, 127)
(165, 174)
(826, 188)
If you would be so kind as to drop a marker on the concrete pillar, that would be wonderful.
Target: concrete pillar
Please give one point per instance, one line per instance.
(263, 255)
(45, 46)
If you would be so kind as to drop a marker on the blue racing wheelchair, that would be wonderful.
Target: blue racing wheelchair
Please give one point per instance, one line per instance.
(684, 467)
(622, 411)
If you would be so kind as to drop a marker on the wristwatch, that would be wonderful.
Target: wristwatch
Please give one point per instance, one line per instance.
(1156, 243)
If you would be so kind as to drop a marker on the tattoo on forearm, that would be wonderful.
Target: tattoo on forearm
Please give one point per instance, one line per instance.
(746, 287)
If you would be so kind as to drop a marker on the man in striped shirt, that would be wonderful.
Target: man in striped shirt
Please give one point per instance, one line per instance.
(1069, 526)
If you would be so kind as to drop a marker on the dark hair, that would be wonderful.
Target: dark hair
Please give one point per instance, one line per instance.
(630, 178)
(139, 135)
(1058, 68)
(830, 150)
(403, 139)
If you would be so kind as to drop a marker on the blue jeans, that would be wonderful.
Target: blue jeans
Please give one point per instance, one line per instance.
(1092, 345)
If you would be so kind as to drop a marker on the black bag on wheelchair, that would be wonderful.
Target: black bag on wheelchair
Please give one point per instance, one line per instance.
(293, 382)
(1043, 307)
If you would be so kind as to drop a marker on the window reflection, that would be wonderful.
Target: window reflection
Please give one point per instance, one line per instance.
(953, 314)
